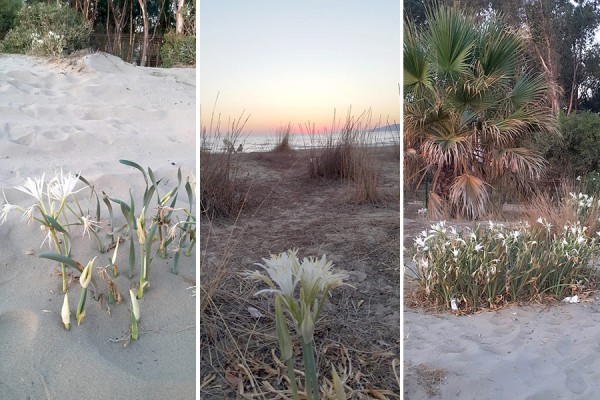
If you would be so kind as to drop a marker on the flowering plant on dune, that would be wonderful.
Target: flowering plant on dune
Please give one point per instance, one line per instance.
(54, 211)
(492, 265)
(314, 278)
(57, 209)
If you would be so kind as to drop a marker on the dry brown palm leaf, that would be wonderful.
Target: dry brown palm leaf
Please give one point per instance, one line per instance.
(437, 208)
(469, 196)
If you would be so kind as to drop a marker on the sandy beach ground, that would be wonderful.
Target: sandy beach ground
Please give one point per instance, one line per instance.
(529, 352)
(82, 114)
(359, 328)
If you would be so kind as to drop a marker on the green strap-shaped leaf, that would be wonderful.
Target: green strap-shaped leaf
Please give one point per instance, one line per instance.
(132, 208)
(154, 183)
(136, 166)
(55, 224)
(167, 196)
(128, 215)
(106, 201)
(61, 259)
(190, 193)
(148, 195)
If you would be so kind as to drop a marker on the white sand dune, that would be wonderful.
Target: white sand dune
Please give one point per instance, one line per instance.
(83, 114)
(529, 353)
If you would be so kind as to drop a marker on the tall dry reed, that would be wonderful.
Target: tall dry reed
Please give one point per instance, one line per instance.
(347, 155)
(221, 192)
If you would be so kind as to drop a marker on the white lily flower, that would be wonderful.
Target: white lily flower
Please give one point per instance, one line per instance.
(283, 270)
(6, 208)
(478, 247)
(318, 273)
(34, 188)
(540, 220)
(61, 186)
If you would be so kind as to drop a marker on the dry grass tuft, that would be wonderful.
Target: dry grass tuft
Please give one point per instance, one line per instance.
(283, 139)
(221, 188)
(560, 209)
(348, 156)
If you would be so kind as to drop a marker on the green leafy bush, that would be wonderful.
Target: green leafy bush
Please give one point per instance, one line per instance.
(580, 147)
(9, 10)
(591, 182)
(178, 50)
(495, 265)
(44, 29)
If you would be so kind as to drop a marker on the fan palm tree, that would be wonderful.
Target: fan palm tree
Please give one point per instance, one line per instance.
(471, 107)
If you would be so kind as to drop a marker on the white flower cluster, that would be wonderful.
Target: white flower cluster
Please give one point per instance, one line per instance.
(583, 201)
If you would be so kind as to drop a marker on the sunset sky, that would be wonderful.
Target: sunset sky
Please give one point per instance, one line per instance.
(296, 61)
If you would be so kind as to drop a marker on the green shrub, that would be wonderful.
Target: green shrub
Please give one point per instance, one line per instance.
(44, 29)
(580, 147)
(495, 265)
(591, 183)
(9, 10)
(178, 50)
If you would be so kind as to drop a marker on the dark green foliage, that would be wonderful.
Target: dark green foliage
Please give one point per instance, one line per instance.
(178, 50)
(8, 13)
(581, 145)
(46, 29)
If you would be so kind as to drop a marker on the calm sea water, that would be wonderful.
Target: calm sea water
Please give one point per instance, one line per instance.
(266, 142)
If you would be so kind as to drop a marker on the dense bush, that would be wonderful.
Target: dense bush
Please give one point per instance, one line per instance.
(178, 50)
(9, 10)
(45, 29)
(580, 147)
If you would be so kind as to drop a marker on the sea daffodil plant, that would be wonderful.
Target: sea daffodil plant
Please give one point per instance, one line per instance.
(50, 211)
(315, 278)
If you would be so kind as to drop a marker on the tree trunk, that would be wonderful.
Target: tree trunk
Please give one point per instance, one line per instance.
(179, 17)
(145, 40)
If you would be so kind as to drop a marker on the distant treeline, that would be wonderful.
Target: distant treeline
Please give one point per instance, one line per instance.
(132, 29)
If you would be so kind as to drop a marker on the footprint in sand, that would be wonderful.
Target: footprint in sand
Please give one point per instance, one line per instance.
(575, 382)
(23, 140)
(56, 136)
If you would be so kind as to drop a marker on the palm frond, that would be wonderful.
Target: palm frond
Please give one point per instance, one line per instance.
(447, 149)
(451, 38)
(500, 50)
(527, 89)
(437, 208)
(469, 196)
(416, 66)
(523, 163)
